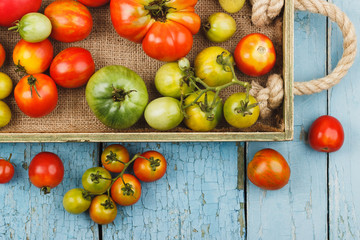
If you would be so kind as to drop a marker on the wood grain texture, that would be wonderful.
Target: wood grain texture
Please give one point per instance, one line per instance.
(196, 199)
(28, 214)
(299, 210)
(344, 165)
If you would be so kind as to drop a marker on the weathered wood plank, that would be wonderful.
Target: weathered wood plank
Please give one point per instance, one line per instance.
(299, 210)
(27, 214)
(344, 165)
(197, 198)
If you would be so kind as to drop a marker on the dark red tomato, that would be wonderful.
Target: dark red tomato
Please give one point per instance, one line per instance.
(255, 55)
(71, 21)
(268, 170)
(46, 171)
(94, 3)
(103, 209)
(36, 95)
(126, 194)
(6, 170)
(72, 67)
(326, 134)
(152, 169)
(2, 55)
(12, 10)
(113, 158)
(34, 57)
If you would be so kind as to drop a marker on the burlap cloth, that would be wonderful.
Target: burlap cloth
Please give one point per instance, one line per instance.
(72, 114)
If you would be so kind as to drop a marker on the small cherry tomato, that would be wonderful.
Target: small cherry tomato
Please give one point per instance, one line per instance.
(326, 134)
(255, 55)
(6, 85)
(6, 170)
(76, 201)
(94, 3)
(113, 158)
(103, 209)
(2, 55)
(151, 169)
(268, 170)
(46, 171)
(5, 114)
(33, 57)
(96, 180)
(72, 67)
(126, 194)
(220, 27)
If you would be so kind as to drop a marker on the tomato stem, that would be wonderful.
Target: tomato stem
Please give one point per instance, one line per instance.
(154, 162)
(158, 10)
(112, 157)
(20, 68)
(32, 83)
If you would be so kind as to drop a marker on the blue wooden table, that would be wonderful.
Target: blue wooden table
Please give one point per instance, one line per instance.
(205, 193)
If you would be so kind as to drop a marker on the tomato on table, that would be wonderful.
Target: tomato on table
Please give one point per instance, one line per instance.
(94, 3)
(12, 10)
(36, 95)
(103, 210)
(96, 180)
(2, 55)
(114, 157)
(326, 134)
(71, 21)
(5, 114)
(126, 194)
(6, 170)
(33, 57)
(255, 55)
(151, 169)
(76, 201)
(72, 67)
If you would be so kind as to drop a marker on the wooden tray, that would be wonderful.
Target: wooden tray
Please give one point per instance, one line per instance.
(72, 120)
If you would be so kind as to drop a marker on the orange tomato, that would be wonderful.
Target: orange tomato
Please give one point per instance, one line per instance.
(2, 55)
(114, 157)
(103, 209)
(126, 195)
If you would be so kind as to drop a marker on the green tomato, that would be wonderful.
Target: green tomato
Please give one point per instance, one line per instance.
(5, 114)
(197, 118)
(76, 201)
(211, 72)
(6, 85)
(117, 96)
(33, 27)
(220, 27)
(233, 114)
(164, 113)
(169, 81)
(96, 180)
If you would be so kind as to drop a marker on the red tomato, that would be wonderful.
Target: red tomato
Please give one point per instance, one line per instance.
(113, 158)
(12, 10)
(164, 28)
(103, 209)
(36, 95)
(34, 57)
(46, 171)
(126, 195)
(152, 169)
(268, 170)
(2, 55)
(72, 67)
(94, 3)
(255, 55)
(6, 170)
(326, 134)
(71, 21)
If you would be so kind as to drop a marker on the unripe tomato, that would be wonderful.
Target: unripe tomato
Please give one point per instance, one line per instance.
(5, 114)
(220, 27)
(76, 201)
(6, 85)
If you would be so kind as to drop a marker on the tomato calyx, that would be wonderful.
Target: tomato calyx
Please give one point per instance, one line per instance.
(158, 10)
(45, 190)
(127, 190)
(245, 108)
(86, 195)
(8, 159)
(32, 83)
(112, 157)
(20, 68)
(16, 27)
(154, 162)
(95, 178)
(119, 94)
(108, 204)
(226, 62)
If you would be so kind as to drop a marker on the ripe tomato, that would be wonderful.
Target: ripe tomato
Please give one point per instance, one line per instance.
(326, 134)
(152, 169)
(126, 195)
(72, 67)
(12, 10)
(46, 171)
(6, 85)
(113, 158)
(238, 115)
(34, 57)
(5, 114)
(255, 55)
(6, 170)
(94, 3)
(164, 28)
(103, 209)
(96, 180)
(76, 201)
(2, 55)
(36, 95)
(268, 170)
(71, 21)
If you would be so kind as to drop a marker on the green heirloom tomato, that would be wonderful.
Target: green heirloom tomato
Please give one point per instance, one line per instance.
(76, 201)
(197, 118)
(235, 114)
(117, 96)
(168, 81)
(211, 72)
(5, 114)
(220, 27)
(164, 113)
(33, 27)
(6, 85)
(96, 180)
